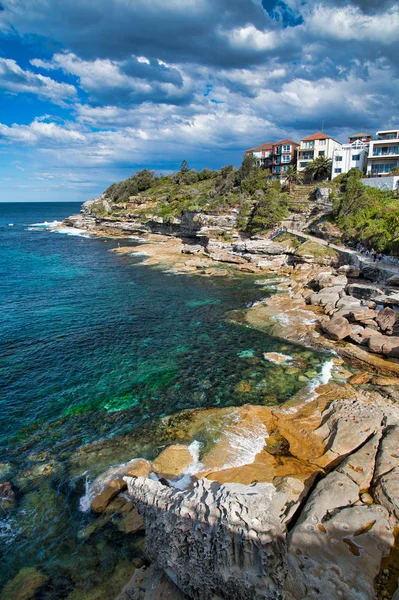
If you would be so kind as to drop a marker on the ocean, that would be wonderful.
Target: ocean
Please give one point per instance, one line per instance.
(95, 346)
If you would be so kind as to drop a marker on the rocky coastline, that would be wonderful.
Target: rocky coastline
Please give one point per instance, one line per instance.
(315, 513)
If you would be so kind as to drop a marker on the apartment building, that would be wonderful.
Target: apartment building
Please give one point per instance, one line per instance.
(262, 154)
(383, 153)
(350, 156)
(284, 156)
(313, 146)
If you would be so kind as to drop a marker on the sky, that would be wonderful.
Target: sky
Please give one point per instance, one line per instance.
(91, 91)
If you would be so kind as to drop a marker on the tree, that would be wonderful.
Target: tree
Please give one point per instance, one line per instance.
(292, 176)
(184, 168)
(319, 169)
(248, 168)
(270, 210)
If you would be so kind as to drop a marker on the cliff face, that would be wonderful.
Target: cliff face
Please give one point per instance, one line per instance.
(289, 539)
(216, 540)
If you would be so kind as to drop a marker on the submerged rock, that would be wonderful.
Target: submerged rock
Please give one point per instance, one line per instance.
(25, 585)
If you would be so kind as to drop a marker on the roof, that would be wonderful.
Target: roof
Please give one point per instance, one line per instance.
(267, 146)
(317, 136)
(286, 141)
(361, 134)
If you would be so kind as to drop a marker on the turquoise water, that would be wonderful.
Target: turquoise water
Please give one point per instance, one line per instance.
(95, 346)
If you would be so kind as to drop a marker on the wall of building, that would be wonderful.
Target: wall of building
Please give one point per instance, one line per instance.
(383, 183)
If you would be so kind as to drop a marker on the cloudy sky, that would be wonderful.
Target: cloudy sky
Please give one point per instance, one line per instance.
(91, 91)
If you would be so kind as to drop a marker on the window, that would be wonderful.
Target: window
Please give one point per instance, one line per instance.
(277, 169)
(303, 164)
(308, 156)
(286, 158)
(322, 142)
(307, 145)
(285, 167)
(337, 170)
(338, 158)
(287, 148)
(356, 157)
(322, 153)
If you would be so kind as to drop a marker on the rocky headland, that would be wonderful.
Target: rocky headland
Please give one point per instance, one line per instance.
(313, 511)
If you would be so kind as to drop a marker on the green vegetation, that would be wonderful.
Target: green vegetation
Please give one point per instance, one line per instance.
(319, 169)
(260, 202)
(366, 214)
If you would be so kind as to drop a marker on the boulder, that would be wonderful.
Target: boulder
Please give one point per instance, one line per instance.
(173, 461)
(328, 279)
(101, 501)
(383, 344)
(338, 328)
(131, 523)
(364, 291)
(385, 381)
(386, 319)
(393, 280)
(192, 249)
(362, 314)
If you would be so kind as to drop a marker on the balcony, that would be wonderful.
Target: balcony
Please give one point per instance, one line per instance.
(306, 146)
(388, 136)
(389, 151)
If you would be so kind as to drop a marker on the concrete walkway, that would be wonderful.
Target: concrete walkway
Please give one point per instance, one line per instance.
(384, 266)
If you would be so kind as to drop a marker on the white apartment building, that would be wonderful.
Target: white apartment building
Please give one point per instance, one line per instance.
(383, 153)
(350, 156)
(313, 146)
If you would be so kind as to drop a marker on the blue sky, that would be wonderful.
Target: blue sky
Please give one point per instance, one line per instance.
(92, 91)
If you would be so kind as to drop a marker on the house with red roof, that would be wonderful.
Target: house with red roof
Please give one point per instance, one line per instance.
(315, 145)
(262, 154)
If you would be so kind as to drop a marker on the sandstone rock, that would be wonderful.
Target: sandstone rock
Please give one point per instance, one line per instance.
(364, 291)
(386, 492)
(359, 466)
(326, 296)
(173, 461)
(340, 555)
(346, 426)
(25, 585)
(337, 328)
(383, 344)
(231, 533)
(192, 249)
(386, 319)
(131, 523)
(101, 501)
(363, 314)
(276, 357)
(366, 498)
(385, 381)
(259, 247)
(272, 263)
(328, 279)
(359, 378)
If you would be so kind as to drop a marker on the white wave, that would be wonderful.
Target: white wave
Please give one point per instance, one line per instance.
(185, 480)
(140, 254)
(251, 304)
(46, 224)
(94, 488)
(8, 531)
(136, 238)
(247, 443)
(11, 224)
(86, 499)
(72, 231)
(322, 379)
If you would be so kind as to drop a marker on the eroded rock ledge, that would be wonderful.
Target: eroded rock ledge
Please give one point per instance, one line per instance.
(287, 538)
